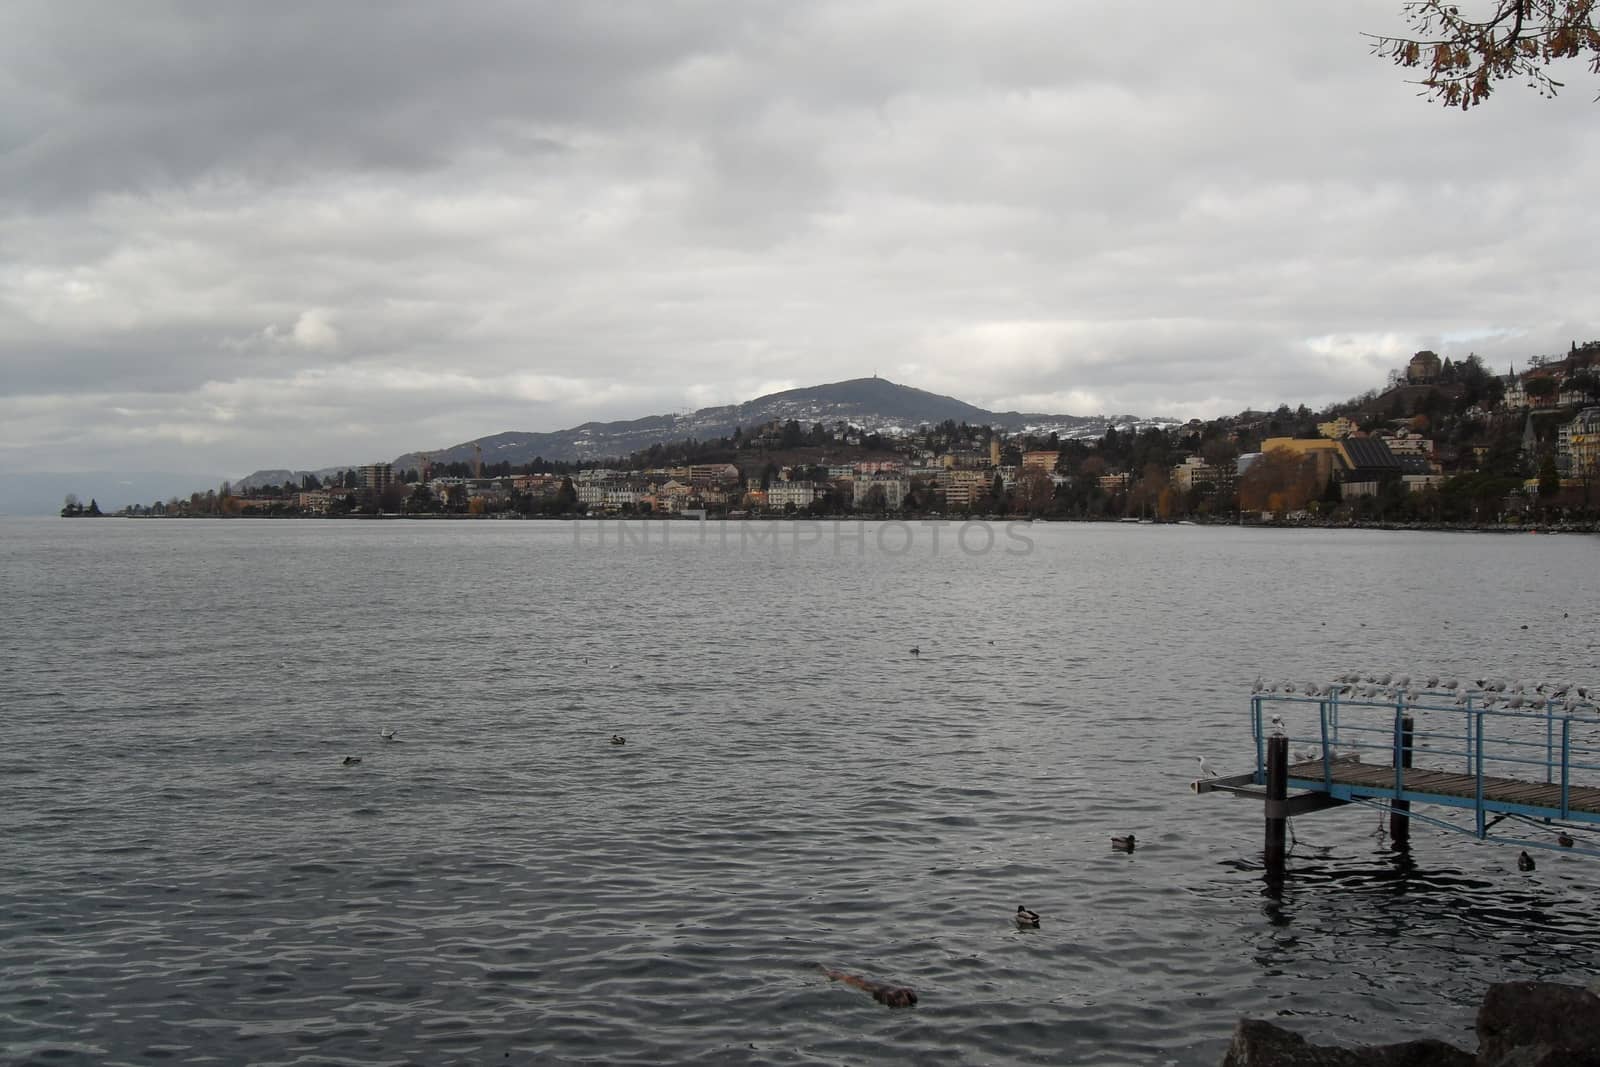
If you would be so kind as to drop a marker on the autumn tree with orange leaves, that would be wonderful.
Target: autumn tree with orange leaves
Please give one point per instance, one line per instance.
(1463, 56)
(1280, 482)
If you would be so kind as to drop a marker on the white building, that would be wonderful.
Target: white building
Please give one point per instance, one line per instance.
(800, 494)
(615, 498)
(1410, 444)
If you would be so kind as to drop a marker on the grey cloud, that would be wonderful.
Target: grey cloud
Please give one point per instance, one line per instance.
(295, 236)
(135, 99)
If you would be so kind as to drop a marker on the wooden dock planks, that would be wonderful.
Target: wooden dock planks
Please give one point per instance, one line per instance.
(1446, 783)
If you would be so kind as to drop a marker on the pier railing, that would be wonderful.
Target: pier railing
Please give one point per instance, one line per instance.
(1542, 743)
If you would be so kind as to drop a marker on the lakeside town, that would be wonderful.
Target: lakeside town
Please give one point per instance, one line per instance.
(1442, 444)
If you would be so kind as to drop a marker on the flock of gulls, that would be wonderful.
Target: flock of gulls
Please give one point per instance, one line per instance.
(1490, 694)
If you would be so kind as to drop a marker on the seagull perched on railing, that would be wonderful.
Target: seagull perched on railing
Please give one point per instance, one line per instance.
(1206, 770)
(1277, 726)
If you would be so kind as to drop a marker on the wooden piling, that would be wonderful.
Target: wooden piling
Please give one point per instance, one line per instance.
(1400, 810)
(1277, 802)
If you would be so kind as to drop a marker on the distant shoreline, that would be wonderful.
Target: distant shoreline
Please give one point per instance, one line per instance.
(1441, 527)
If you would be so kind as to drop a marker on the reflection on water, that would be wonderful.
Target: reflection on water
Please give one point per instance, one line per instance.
(194, 871)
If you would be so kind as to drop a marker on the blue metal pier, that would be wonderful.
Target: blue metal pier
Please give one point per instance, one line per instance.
(1529, 776)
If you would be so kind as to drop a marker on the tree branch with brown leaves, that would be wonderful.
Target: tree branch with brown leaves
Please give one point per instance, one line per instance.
(1464, 58)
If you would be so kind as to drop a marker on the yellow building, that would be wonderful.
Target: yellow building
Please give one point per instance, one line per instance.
(1044, 459)
(1114, 483)
(1325, 452)
(962, 488)
(1583, 443)
(964, 461)
(1338, 428)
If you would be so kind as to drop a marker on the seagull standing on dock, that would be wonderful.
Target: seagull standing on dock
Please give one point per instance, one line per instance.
(1277, 726)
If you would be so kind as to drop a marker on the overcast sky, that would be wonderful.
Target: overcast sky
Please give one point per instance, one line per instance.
(243, 235)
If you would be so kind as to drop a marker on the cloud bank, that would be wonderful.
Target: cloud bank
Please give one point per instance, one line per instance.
(241, 235)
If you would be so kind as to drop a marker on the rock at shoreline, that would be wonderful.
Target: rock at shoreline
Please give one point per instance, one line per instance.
(1539, 1024)
(1520, 1024)
(1261, 1044)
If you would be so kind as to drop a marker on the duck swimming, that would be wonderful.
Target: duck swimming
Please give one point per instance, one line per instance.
(1124, 844)
(1025, 917)
(348, 760)
(618, 739)
(1525, 862)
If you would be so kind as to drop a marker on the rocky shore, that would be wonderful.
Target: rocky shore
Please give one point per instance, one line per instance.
(1520, 1024)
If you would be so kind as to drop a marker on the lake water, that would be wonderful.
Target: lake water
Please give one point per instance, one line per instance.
(191, 874)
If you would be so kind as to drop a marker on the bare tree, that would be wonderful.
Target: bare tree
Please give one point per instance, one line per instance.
(1034, 490)
(1464, 57)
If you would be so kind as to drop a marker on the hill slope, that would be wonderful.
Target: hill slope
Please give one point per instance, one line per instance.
(871, 403)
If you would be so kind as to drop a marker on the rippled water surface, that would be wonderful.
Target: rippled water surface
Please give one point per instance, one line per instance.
(191, 874)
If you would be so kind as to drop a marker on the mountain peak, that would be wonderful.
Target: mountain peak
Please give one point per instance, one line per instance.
(873, 403)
